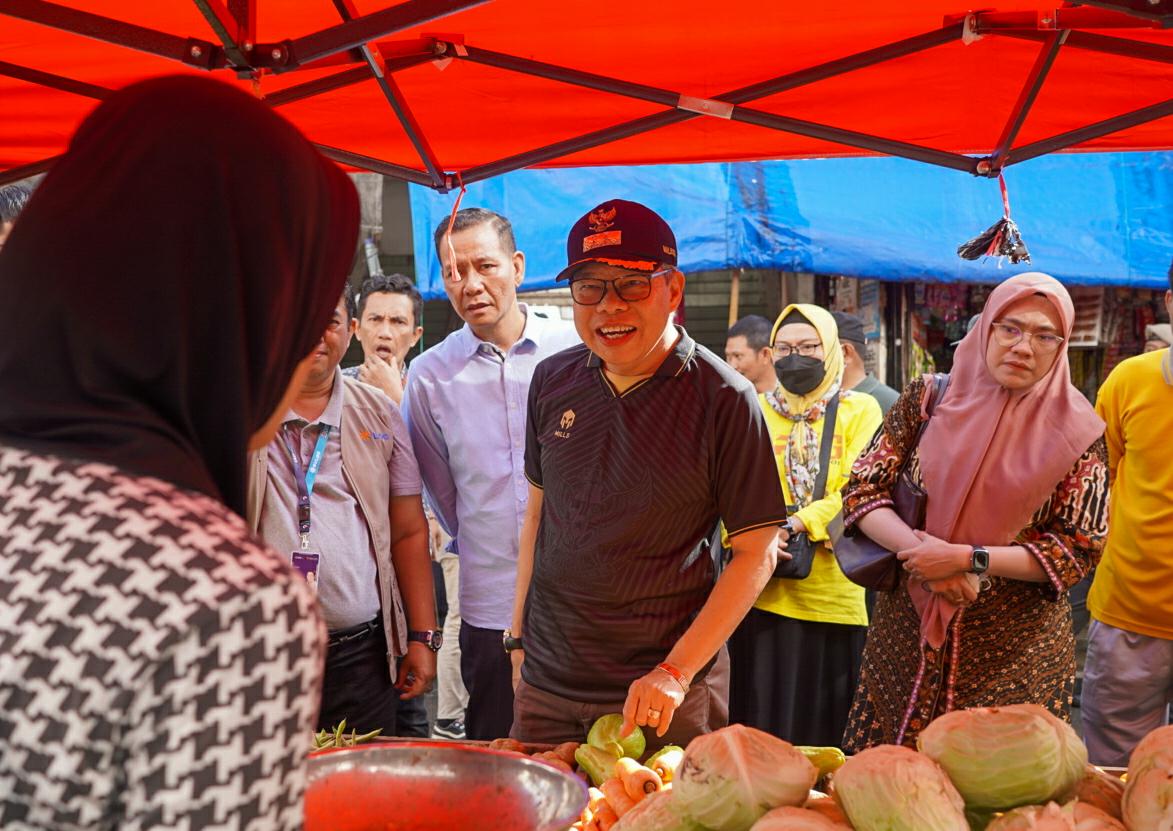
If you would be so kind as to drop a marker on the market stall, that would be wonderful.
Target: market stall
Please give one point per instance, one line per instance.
(445, 92)
(1012, 768)
(396, 89)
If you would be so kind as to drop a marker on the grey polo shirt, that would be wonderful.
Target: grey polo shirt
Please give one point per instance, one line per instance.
(884, 395)
(348, 585)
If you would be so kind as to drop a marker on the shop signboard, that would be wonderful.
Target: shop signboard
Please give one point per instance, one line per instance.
(1089, 316)
(869, 309)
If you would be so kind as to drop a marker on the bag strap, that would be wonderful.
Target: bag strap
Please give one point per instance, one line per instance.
(940, 385)
(825, 441)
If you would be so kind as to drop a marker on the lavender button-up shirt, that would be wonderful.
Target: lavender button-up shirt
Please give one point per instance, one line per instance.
(465, 406)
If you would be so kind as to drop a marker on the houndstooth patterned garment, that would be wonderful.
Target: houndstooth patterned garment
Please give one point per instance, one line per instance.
(159, 667)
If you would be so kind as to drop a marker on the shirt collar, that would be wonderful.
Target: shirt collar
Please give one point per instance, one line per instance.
(535, 329)
(332, 415)
(869, 383)
(676, 362)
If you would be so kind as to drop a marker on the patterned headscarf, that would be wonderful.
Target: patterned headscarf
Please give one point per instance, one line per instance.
(802, 446)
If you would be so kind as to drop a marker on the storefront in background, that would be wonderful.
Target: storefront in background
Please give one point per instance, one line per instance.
(1109, 327)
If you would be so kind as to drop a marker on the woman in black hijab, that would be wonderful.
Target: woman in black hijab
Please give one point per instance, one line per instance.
(159, 667)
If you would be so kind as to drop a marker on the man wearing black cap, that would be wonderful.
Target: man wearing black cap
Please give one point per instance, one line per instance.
(617, 608)
(855, 350)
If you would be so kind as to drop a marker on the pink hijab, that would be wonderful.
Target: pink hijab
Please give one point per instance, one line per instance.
(990, 458)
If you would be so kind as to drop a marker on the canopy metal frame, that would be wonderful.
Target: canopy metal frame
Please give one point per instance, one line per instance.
(351, 45)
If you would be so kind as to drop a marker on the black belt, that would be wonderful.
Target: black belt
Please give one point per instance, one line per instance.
(354, 633)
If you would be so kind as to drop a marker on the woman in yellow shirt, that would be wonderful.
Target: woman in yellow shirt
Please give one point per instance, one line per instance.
(796, 656)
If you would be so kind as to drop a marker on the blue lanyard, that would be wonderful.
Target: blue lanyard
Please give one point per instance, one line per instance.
(305, 481)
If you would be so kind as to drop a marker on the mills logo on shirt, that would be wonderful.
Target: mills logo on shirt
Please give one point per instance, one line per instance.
(567, 422)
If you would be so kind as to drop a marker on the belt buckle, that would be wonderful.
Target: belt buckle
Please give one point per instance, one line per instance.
(368, 627)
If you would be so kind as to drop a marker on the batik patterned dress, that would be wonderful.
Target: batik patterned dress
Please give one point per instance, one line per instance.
(159, 666)
(1014, 644)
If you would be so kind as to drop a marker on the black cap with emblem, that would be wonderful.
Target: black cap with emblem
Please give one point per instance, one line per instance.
(621, 233)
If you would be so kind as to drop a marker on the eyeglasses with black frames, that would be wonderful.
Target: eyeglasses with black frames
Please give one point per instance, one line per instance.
(807, 350)
(630, 287)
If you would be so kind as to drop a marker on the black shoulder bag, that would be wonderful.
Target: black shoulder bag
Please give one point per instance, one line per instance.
(800, 545)
(865, 562)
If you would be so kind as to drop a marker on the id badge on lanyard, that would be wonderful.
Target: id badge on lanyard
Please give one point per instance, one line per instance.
(307, 562)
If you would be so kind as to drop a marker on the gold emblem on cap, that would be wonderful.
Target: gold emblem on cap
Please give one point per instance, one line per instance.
(593, 241)
(601, 219)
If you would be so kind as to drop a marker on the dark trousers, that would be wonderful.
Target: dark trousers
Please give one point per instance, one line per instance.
(488, 677)
(794, 678)
(357, 686)
(542, 717)
(411, 718)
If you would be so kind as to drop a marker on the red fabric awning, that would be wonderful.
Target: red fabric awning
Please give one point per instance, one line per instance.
(470, 113)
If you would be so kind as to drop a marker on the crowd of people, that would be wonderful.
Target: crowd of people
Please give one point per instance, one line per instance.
(216, 540)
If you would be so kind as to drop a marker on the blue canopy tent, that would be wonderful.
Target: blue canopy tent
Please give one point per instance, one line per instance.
(1087, 218)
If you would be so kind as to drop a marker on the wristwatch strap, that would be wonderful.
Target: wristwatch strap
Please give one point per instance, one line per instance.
(433, 639)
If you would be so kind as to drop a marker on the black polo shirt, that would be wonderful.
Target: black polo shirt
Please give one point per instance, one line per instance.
(633, 482)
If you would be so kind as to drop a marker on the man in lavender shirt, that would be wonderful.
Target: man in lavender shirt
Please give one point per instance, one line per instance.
(465, 409)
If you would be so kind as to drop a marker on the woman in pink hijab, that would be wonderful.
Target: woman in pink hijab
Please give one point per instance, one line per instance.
(1015, 468)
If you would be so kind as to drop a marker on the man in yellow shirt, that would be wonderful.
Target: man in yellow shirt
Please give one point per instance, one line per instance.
(1128, 677)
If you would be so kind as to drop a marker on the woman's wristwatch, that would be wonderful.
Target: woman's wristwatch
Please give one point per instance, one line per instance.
(979, 560)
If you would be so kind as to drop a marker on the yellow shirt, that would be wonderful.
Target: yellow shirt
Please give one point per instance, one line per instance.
(826, 595)
(1133, 588)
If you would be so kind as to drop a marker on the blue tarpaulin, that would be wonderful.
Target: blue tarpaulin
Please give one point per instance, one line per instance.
(1087, 218)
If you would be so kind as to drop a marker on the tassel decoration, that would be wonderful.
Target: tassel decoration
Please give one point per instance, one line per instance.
(1002, 239)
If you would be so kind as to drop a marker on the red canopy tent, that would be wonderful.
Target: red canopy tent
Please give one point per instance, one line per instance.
(429, 89)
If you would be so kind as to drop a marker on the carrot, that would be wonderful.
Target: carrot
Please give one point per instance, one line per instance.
(565, 752)
(552, 759)
(606, 817)
(666, 762)
(511, 745)
(595, 797)
(617, 796)
(637, 780)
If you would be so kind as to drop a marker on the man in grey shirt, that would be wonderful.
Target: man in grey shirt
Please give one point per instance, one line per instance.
(465, 407)
(855, 351)
(338, 492)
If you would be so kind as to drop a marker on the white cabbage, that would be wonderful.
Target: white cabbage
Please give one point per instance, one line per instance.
(1090, 818)
(891, 788)
(1148, 796)
(796, 819)
(731, 777)
(820, 803)
(1003, 757)
(1101, 789)
(657, 812)
(1049, 817)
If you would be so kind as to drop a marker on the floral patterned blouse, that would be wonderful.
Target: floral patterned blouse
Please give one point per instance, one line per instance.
(1014, 644)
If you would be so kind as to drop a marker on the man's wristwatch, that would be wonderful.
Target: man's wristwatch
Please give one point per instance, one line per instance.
(511, 643)
(979, 562)
(433, 639)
